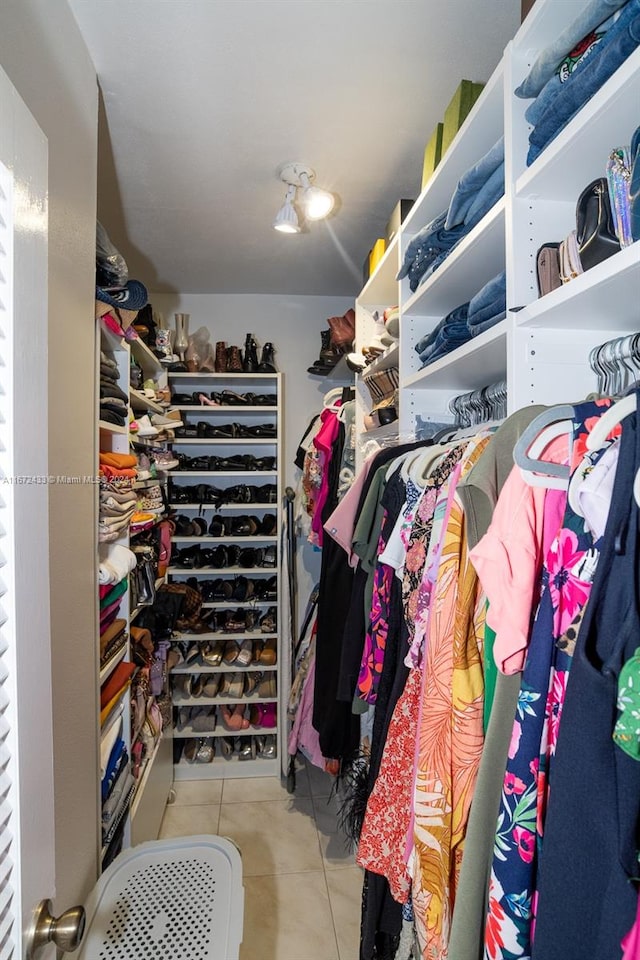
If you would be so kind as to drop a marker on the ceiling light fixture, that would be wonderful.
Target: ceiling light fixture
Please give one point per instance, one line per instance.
(286, 220)
(317, 204)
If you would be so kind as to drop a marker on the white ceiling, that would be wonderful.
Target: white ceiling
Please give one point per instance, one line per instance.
(204, 99)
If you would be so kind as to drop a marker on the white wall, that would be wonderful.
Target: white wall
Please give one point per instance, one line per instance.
(293, 324)
(46, 59)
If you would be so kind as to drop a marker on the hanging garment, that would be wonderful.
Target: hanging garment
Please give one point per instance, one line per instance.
(337, 727)
(587, 901)
(450, 729)
(567, 577)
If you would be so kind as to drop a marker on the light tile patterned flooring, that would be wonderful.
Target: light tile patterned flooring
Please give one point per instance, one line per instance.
(302, 888)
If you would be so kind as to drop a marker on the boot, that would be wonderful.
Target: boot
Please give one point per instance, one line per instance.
(234, 360)
(329, 356)
(266, 361)
(221, 357)
(250, 364)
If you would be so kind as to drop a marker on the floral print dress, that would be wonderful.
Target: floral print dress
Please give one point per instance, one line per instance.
(567, 578)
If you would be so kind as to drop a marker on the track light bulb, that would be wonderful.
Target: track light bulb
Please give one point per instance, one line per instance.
(286, 220)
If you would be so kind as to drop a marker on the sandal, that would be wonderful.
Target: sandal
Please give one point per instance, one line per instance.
(231, 651)
(267, 687)
(232, 399)
(212, 654)
(269, 653)
(269, 622)
(245, 654)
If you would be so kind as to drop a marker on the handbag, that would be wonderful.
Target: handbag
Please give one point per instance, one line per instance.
(548, 268)
(595, 230)
(618, 181)
(570, 259)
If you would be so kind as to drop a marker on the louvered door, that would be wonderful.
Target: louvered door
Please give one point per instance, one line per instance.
(26, 762)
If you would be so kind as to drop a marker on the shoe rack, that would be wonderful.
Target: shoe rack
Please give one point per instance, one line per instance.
(140, 813)
(224, 558)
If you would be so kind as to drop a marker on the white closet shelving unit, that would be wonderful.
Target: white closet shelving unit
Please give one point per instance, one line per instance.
(247, 415)
(145, 808)
(542, 347)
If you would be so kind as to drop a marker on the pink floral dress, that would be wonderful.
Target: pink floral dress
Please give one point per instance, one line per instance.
(567, 578)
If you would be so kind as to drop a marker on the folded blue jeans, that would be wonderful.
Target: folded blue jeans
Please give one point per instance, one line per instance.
(499, 305)
(593, 14)
(471, 182)
(431, 241)
(492, 289)
(448, 337)
(619, 43)
(457, 316)
(487, 196)
(446, 348)
(475, 329)
(577, 57)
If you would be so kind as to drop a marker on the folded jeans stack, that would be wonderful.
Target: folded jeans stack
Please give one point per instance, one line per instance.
(488, 306)
(478, 189)
(451, 332)
(569, 72)
(428, 249)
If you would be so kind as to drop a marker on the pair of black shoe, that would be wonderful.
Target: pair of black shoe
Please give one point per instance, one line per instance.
(226, 431)
(205, 493)
(243, 526)
(235, 464)
(240, 590)
(224, 556)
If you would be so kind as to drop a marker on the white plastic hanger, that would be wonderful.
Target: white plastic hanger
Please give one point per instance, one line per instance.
(328, 399)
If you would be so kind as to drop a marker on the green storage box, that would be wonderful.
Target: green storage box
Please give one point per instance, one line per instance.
(432, 154)
(459, 109)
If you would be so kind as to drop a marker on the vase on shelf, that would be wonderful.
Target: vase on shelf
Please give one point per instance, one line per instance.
(181, 340)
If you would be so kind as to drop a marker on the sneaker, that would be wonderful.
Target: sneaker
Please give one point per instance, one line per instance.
(145, 429)
(165, 460)
(143, 468)
(167, 421)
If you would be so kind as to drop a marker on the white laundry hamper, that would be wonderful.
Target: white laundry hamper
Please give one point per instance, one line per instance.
(179, 899)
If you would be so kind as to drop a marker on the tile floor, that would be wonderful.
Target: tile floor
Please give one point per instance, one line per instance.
(302, 888)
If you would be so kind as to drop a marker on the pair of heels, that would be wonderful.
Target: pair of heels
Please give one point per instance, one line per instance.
(240, 654)
(248, 748)
(189, 685)
(263, 715)
(199, 719)
(229, 398)
(199, 750)
(186, 527)
(233, 716)
(243, 526)
(235, 464)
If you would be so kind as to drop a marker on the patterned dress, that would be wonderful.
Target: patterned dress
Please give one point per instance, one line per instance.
(450, 735)
(567, 578)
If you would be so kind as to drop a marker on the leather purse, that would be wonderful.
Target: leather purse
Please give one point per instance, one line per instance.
(595, 230)
(548, 268)
(570, 260)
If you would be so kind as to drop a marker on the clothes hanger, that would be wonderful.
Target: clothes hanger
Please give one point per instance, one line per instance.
(328, 399)
(546, 427)
(609, 421)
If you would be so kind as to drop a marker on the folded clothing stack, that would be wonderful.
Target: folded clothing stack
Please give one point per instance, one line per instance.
(489, 306)
(118, 498)
(117, 782)
(483, 311)
(116, 562)
(574, 67)
(451, 332)
(477, 191)
(114, 402)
